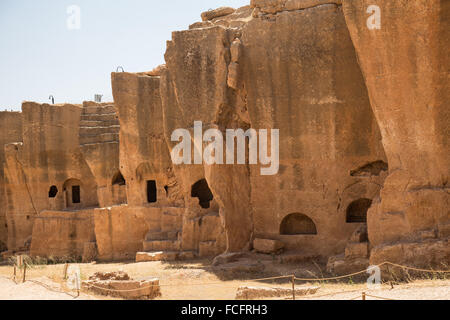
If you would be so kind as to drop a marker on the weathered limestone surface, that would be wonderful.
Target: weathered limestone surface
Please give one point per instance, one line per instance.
(364, 144)
(144, 157)
(49, 156)
(195, 89)
(144, 154)
(216, 13)
(275, 6)
(63, 147)
(59, 234)
(311, 88)
(121, 231)
(406, 69)
(10, 131)
(99, 144)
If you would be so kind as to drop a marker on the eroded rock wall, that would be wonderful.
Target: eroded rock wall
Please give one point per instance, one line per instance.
(67, 164)
(49, 157)
(62, 235)
(175, 219)
(144, 154)
(300, 74)
(405, 64)
(10, 131)
(194, 88)
(99, 144)
(353, 106)
(290, 69)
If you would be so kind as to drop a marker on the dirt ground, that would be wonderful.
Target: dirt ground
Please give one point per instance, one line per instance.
(198, 281)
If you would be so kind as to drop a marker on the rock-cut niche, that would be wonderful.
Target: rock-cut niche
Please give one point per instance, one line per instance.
(297, 224)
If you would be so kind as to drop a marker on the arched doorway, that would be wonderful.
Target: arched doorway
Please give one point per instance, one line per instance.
(357, 211)
(297, 224)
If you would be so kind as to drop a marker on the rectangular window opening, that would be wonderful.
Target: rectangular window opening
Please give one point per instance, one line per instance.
(76, 197)
(151, 191)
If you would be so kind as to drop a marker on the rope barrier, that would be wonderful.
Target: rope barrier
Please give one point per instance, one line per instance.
(365, 271)
(329, 294)
(190, 284)
(331, 278)
(51, 289)
(416, 269)
(277, 278)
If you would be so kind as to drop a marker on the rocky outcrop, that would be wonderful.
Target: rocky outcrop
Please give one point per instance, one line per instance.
(357, 91)
(99, 144)
(311, 88)
(42, 170)
(195, 89)
(276, 6)
(405, 66)
(217, 13)
(66, 163)
(177, 219)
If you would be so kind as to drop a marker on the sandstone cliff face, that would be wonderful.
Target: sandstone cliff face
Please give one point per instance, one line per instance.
(99, 144)
(406, 68)
(49, 156)
(363, 118)
(144, 155)
(174, 219)
(279, 72)
(194, 88)
(300, 74)
(66, 162)
(10, 131)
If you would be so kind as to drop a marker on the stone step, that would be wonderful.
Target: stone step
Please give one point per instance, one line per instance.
(101, 138)
(99, 117)
(165, 256)
(88, 131)
(156, 256)
(162, 235)
(99, 109)
(162, 245)
(106, 123)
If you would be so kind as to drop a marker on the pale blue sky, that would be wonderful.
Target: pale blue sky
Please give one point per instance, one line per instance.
(39, 56)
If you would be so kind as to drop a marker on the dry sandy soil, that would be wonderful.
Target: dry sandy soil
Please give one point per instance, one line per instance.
(196, 280)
